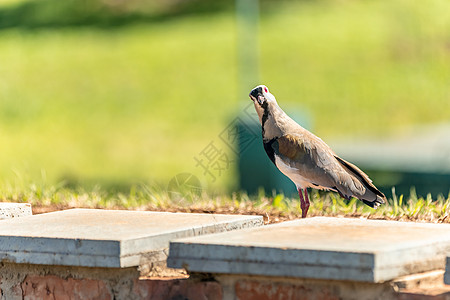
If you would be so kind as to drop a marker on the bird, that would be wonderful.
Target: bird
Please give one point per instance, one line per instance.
(306, 159)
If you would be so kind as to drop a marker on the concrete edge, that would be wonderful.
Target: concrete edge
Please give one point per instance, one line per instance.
(271, 270)
(447, 271)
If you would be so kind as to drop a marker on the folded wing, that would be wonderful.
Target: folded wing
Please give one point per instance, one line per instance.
(309, 158)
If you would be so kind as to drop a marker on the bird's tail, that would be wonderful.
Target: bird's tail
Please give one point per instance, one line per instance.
(372, 197)
(374, 204)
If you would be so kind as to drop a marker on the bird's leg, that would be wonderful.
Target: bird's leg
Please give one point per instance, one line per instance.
(305, 211)
(303, 203)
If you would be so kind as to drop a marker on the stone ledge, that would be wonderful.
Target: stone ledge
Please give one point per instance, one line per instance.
(319, 248)
(106, 238)
(14, 210)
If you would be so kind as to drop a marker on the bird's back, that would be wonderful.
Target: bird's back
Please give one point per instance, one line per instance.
(309, 162)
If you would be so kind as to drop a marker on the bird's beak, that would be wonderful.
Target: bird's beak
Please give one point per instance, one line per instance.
(255, 95)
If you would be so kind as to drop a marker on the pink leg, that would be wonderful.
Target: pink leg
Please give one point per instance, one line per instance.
(306, 203)
(303, 204)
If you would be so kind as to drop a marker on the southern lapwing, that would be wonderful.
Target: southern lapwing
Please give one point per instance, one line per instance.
(306, 159)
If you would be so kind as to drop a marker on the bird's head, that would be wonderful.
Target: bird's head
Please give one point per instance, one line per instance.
(261, 95)
(262, 99)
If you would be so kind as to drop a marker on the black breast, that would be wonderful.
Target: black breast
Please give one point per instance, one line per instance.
(269, 147)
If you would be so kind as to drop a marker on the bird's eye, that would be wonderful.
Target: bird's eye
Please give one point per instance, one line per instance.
(266, 90)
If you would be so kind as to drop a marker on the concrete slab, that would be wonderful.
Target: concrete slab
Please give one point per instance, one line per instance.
(105, 238)
(447, 270)
(319, 248)
(14, 210)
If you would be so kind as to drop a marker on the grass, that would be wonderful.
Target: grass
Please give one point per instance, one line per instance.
(117, 106)
(114, 108)
(360, 68)
(274, 207)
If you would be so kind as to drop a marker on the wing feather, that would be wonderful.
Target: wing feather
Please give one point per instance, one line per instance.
(308, 156)
(315, 162)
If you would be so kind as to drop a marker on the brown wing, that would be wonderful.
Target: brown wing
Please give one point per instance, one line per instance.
(314, 160)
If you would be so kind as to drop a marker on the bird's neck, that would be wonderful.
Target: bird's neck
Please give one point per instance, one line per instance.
(274, 122)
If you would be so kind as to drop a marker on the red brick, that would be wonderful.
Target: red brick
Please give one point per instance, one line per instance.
(418, 295)
(177, 288)
(255, 290)
(54, 287)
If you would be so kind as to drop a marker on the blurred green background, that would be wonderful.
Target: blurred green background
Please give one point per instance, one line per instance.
(116, 92)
